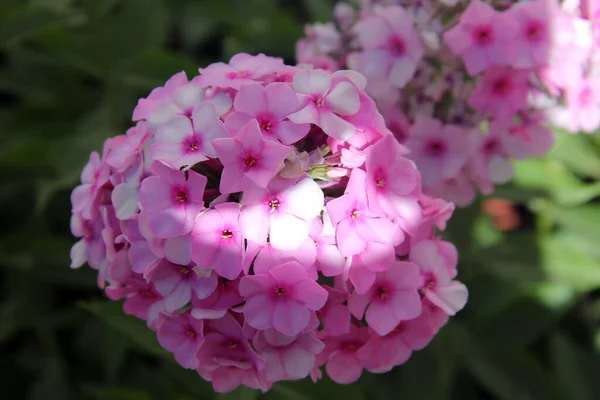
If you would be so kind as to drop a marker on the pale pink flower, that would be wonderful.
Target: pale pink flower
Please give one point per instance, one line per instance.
(501, 92)
(91, 247)
(171, 201)
(392, 298)
(263, 258)
(483, 37)
(178, 284)
(354, 222)
(283, 211)
(181, 335)
(282, 298)
(534, 38)
(217, 240)
(343, 365)
(242, 68)
(391, 45)
(325, 103)
(362, 268)
(287, 357)
(270, 106)
(94, 176)
(329, 261)
(183, 142)
(438, 286)
(248, 159)
(583, 101)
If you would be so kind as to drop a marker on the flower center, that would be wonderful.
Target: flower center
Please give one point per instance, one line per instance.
(265, 125)
(320, 102)
(238, 75)
(381, 293)
(274, 204)
(226, 234)
(184, 270)
(483, 35)
(181, 196)
(380, 182)
(355, 214)
(191, 333)
(232, 344)
(534, 30)
(436, 148)
(586, 97)
(223, 282)
(280, 291)
(250, 162)
(501, 86)
(491, 146)
(398, 46)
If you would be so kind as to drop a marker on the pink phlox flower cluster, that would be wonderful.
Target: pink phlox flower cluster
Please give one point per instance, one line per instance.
(268, 226)
(456, 69)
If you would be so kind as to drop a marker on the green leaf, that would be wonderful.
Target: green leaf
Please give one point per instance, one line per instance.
(51, 383)
(114, 393)
(577, 370)
(578, 153)
(135, 330)
(19, 24)
(507, 372)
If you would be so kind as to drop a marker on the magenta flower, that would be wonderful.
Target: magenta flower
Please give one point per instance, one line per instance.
(390, 177)
(183, 142)
(172, 202)
(217, 240)
(438, 286)
(143, 302)
(343, 365)
(94, 176)
(182, 335)
(178, 284)
(269, 106)
(287, 358)
(215, 306)
(282, 298)
(248, 159)
(355, 223)
(326, 103)
(439, 151)
(392, 298)
(483, 37)
(226, 358)
(282, 212)
(391, 45)
(242, 68)
(502, 92)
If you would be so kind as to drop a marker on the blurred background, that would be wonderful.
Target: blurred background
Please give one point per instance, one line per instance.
(71, 72)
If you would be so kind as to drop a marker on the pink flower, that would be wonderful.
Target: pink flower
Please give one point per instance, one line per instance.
(335, 315)
(287, 357)
(263, 258)
(130, 150)
(390, 177)
(282, 298)
(143, 301)
(355, 223)
(178, 284)
(283, 211)
(93, 177)
(326, 103)
(343, 365)
(248, 159)
(217, 240)
(394, 297)
(483, 37)
(583, 101)
(526, 139)
(533, 40)
(438, 286)
(362, 268)
(329, 260)
(242, 68)
(439, 151)
(181, 335)
(226, 358)
(269, 106)
(172, 202)
(91, 247)
(183, 142)
(391, 46)
(502, 92)
(215, 306)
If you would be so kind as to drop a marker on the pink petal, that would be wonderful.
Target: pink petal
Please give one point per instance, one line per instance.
(229, 151)
(228, 260)
(406, 304)
(313, 82)
(281, 99)
(178, 297)
(451, 298)
(196, 183)
(298, 362)
(255, 222)
(185, 354)
(331, 262)
(304, 199)
(310, 293)
(155, 194)
(251, 137)
(402, 71)
(357, 304)
(381, 317)
(204, 117)
(340, 208)
(290, 317)
(236, 120)
(288, 274)
(335, 319)
(168, 223)
(174, 131)
(258, 311)
(252, 285)
(177, 250)
(343, 99)
(250, 99)
(343, 368)
(348, 240)
(204, 287)
(334, 126)
(78, 254)
(287, 232)
(307, 115)
(289, 132)
(140, 257)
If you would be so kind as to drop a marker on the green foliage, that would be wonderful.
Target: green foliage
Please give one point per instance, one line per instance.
(70, 75)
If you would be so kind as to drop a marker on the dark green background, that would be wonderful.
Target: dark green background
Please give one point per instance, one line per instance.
(71, 73)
